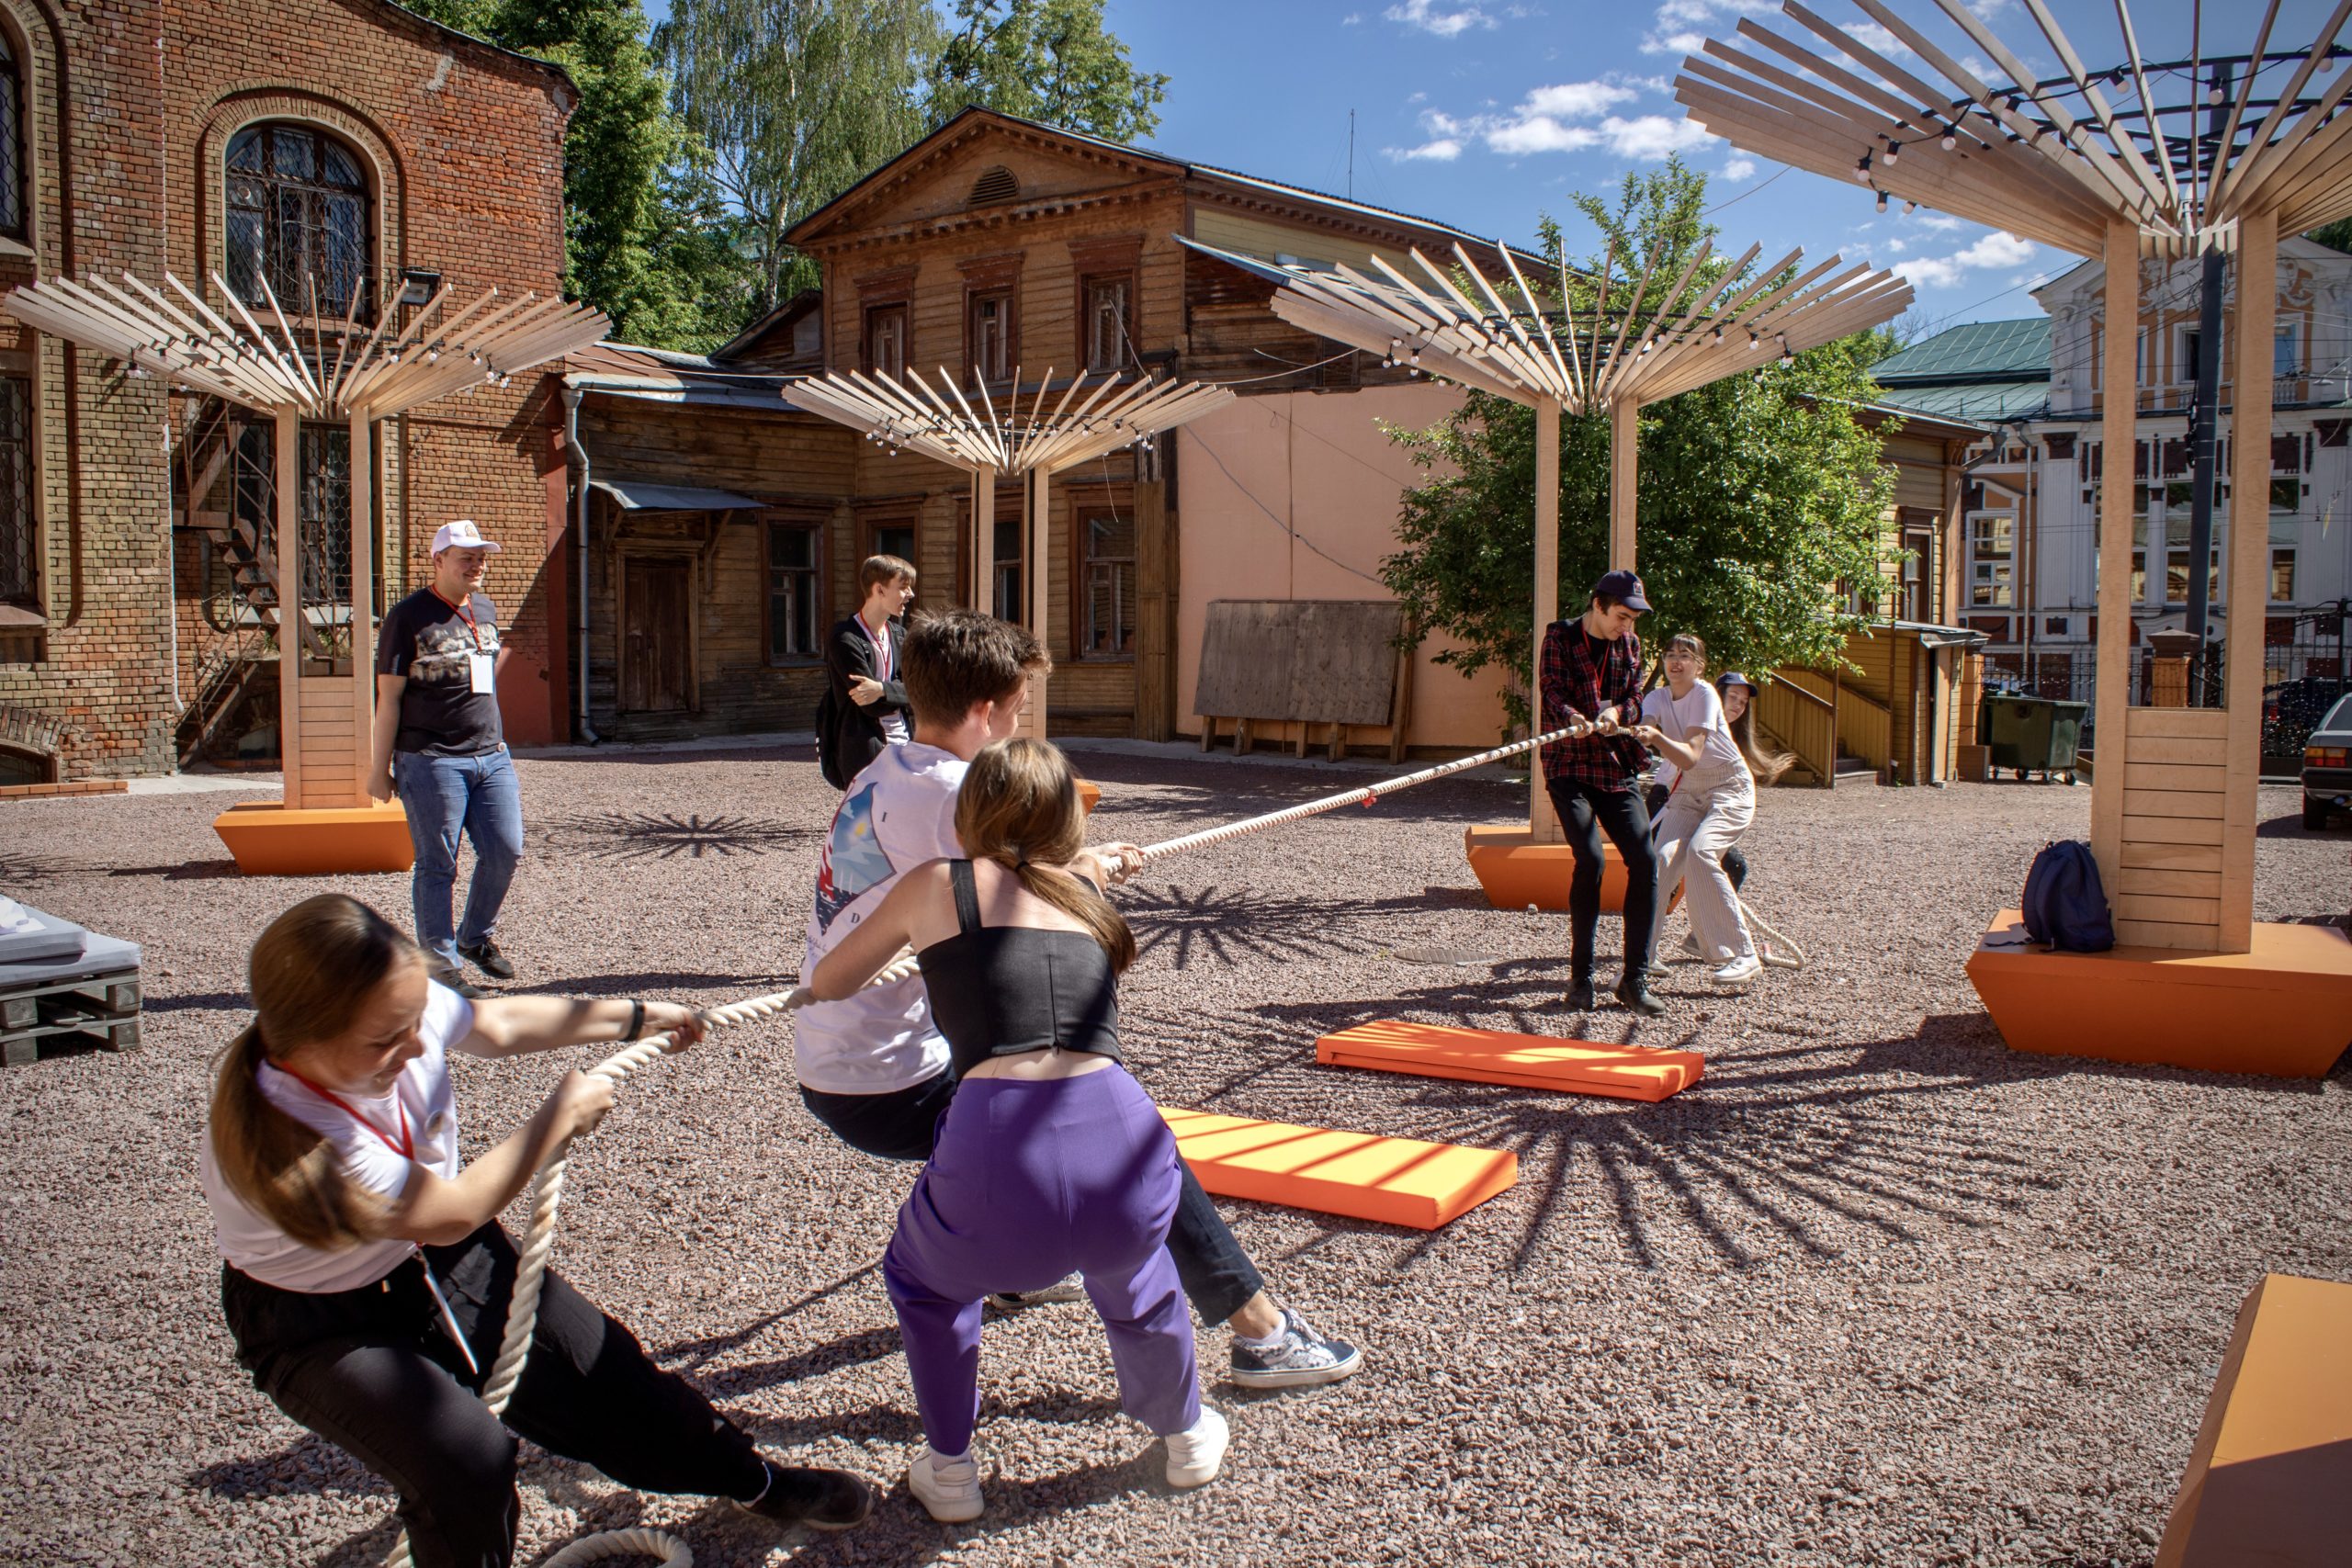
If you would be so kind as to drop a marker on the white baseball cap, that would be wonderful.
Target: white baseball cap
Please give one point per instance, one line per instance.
(462, 535)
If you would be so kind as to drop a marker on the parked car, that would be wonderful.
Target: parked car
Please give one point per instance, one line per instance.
(2327, 766)
(2292, 709)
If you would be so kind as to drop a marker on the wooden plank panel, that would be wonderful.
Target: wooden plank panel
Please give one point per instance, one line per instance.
(2140, 830)
(1247, 649)
(2164, 933)
(2179, 911)
(2210, 723)
(2205, 750)
(2171, 803)
(2187, 776)
(1345, 670)
(2170, 884)
(2171, 857)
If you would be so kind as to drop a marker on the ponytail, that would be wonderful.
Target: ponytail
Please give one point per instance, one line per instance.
(1767, 766)
(312, 971)
(1018, 806)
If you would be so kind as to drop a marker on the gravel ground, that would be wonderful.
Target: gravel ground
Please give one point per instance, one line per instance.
(1876, 1292)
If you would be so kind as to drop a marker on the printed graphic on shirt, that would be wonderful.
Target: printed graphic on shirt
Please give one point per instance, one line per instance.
(854, 863)
(442, 648)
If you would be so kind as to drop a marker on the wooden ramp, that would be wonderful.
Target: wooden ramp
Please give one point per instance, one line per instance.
(1522, 1061)
(2270, 1479)
(1398, 1181)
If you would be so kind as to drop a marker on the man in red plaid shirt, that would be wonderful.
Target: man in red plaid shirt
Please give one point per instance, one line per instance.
(1592, 671)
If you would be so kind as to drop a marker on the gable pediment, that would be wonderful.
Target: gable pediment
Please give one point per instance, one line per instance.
(934, 181)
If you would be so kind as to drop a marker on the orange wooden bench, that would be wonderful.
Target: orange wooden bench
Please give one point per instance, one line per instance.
(2270, 1479)
(1522, 1061)
(1515, 870)
(1398, 1181)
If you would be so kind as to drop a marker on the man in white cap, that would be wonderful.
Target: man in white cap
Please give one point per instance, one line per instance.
(439, 744)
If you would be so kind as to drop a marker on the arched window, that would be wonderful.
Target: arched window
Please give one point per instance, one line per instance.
(299, 214)
(13, 202)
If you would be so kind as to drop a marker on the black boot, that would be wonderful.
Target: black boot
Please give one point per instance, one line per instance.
(1581, 998)
(1634, 993)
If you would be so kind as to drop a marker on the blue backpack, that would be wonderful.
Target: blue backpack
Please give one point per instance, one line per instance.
(2064, 905)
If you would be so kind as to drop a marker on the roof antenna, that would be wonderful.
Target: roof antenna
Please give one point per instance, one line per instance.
(1351, 154)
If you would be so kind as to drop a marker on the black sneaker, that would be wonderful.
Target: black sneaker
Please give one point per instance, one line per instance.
(485, 956)
(821, 1499)
(1580, 998)
(456, 980)
(1300, 1359)
(1637, 996)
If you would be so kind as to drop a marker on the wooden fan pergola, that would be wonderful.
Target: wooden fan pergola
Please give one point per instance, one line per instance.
(1032, 444)
(323, 370)
(1502, 338)
(2096, 161)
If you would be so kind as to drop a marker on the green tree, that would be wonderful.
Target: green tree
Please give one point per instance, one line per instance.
(1760, 495)
(797, 101)
(646, 241)
(1046, 59)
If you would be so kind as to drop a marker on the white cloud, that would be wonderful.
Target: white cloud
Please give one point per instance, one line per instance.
(1684, 42)
(1999, 248)
(1897, 247)
(1430, 18)
(1566, 117)
(1353, 19)
(1870, 35)
(1739, 169)
(1443, 150)
(1943, 221)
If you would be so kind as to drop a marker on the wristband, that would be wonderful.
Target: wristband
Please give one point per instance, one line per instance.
(636, 1019)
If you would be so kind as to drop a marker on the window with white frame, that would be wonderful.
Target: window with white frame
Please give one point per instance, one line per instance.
(2287, 349)
(1992, 559)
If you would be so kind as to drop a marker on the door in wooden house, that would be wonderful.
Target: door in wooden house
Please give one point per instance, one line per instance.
(657, 662)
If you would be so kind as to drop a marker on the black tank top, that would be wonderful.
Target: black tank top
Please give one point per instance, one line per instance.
(996, 990)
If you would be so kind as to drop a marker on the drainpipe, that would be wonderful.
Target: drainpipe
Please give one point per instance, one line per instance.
(571, 396)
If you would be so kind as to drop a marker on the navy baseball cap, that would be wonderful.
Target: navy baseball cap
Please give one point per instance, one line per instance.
(1626, 588)
(1730, 678)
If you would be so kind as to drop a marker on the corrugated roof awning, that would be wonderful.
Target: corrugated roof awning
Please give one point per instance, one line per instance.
(643, 495)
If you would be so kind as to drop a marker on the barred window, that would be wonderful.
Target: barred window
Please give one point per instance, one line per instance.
(19, 557)
(1107, 615)
(299, 215)
(13, 200)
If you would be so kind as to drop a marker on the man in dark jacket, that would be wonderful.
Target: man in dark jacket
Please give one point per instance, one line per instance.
(867, 709)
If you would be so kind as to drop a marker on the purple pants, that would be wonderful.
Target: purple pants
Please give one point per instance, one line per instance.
(1030, 1181)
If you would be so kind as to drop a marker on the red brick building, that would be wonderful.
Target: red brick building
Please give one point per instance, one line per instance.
(332, 145)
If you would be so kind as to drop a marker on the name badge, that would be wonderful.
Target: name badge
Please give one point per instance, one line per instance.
(485, 672)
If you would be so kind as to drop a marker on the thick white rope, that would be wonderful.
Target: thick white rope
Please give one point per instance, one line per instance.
(538, 1241)
(1367, 795)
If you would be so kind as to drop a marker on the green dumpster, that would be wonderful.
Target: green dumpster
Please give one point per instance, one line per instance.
(2038, 735)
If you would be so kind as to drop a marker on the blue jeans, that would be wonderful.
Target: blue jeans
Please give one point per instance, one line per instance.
(445, 795)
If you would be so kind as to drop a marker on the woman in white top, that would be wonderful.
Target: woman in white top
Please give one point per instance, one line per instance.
(367, 1279)
(1713, 802)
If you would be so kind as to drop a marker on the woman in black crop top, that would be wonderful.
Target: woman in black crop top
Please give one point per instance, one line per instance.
(1051, 1160)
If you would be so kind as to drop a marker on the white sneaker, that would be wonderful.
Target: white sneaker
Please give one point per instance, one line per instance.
(1689, 951)
(1737, 974)
(949, 1489)
(1196, 1453)
(1071, 1288)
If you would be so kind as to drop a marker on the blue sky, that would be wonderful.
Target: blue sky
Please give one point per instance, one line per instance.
(1486, 113)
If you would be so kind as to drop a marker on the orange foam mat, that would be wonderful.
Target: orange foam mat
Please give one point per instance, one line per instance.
(2270, 1478)
(269, 837)
(1398, 1181)
(2283, 1009)
(1522, 1061)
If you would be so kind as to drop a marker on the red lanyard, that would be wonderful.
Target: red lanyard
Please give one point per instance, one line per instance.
(881, 648)
(405, 1148)
(465, 614)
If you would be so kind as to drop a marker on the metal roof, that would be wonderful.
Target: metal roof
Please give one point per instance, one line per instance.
(644, 495)
(1980, 403)
(664, 375)
(1982, 351)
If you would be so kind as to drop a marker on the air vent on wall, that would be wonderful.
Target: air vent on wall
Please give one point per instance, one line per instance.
(994, 186)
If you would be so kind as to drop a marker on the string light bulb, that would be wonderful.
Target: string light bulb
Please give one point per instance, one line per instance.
(1881, 201)
(1862, 168)
(1950, 139)
(1893, 151)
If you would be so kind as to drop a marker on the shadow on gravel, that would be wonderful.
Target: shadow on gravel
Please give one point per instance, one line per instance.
(1228, 925)
(199, 1002)
(689, 1354)
(666, 835)
(310, 1467)
(24, 871)
(186, 871)
(1790, 1141)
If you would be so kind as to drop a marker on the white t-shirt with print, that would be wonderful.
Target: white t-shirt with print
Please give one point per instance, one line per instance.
(254, 1245)
(1698, 715)
(896, 815)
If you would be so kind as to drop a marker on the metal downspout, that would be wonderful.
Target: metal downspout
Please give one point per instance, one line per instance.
(571, 396)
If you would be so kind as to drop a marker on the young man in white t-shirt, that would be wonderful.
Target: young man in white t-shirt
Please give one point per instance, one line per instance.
(875, 1067)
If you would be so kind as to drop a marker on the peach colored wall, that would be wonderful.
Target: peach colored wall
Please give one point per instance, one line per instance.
(1321, 464)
